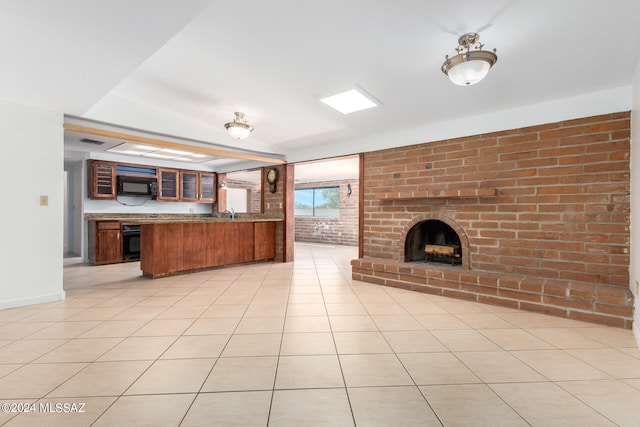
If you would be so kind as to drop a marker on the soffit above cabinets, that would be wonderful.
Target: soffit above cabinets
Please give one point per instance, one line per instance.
(93, 137)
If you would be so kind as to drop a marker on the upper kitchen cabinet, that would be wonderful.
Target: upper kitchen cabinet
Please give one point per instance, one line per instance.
(173, 185)
(102, 180)
(189, 186)
(197, 186)
(207, 187)
(168, 180)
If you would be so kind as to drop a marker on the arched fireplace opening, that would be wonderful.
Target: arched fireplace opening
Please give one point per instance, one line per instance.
(433, 241)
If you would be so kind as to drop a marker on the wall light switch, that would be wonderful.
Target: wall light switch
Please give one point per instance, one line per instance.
(44, 200)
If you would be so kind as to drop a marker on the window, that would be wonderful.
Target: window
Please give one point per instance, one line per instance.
(323, 202)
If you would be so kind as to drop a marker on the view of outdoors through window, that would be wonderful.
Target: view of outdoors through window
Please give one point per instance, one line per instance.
(321, 202)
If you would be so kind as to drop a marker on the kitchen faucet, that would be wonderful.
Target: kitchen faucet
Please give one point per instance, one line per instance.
(231, 213)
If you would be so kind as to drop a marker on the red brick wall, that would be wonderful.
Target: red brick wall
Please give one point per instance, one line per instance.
(333, 231)
(274, 207)
(544, 211)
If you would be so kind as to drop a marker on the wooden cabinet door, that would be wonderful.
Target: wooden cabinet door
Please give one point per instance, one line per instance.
(105, 242)
(234, 242)
(243, 241)
(109, 246)
(207, 187)
(213, 258)
(102, 180)
(189, 186)
(194, 246)
(199, 246)
(168, 184)
(224, 244)
(172, 251)
(265, 240)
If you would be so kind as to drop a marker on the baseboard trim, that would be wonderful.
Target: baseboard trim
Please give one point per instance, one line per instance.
(21, 302)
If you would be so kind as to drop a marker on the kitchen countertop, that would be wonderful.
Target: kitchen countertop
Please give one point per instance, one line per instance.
(173, 218)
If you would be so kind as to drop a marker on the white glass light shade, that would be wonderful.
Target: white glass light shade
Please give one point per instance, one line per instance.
(238, 130)
(469, 72)
(471, 64)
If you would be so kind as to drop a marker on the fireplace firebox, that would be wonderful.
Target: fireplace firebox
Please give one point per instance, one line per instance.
(433, 241)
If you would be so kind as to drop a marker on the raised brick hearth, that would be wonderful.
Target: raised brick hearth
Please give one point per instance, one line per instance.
(542, 214)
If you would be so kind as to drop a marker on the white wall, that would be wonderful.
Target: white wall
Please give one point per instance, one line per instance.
(31, 165)
(237, 199)
(634, 268)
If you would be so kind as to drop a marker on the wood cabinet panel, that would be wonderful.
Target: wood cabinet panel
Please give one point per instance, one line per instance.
(173, 247)
(212, 232)
(187, 247)
(146, 246)
(199, 246)
(194, 243)
(238, 242)
(225, 241)
(265, 240)
(244, 242)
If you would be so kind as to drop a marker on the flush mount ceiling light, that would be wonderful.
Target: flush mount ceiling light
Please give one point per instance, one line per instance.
(350, 101)
(239, 128)
(471, 64)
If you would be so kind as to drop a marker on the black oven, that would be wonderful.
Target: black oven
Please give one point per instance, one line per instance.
(130, 241)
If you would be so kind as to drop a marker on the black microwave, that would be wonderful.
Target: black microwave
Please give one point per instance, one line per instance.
(137, 186)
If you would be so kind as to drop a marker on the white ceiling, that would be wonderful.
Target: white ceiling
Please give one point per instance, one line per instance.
(181, 68)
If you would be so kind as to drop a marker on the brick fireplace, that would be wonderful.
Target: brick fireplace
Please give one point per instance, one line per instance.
(540, 216)
(427, 239)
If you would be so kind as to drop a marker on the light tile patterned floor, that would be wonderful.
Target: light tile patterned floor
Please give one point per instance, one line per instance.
(301, 344)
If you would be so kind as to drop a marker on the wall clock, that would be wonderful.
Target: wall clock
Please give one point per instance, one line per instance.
(272, 179)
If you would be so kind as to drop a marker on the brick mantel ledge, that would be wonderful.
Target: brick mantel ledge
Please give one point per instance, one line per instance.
(438, 194)
(603, 304)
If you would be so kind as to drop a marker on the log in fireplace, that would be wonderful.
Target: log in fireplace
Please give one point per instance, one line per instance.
(433, 241)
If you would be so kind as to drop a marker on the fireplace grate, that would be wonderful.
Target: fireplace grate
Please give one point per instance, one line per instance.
(443, 253)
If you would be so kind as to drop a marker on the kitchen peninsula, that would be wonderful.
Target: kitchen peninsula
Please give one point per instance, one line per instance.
(178, 247)
(175, 245)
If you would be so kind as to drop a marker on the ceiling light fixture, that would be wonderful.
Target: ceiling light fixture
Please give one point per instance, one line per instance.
(350, 101)
(239, 128)
(471, 64)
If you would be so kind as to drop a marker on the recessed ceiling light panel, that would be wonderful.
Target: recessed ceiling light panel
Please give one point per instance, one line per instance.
(175, 153)
(350, 101)
(132, 149)
(159, 155)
